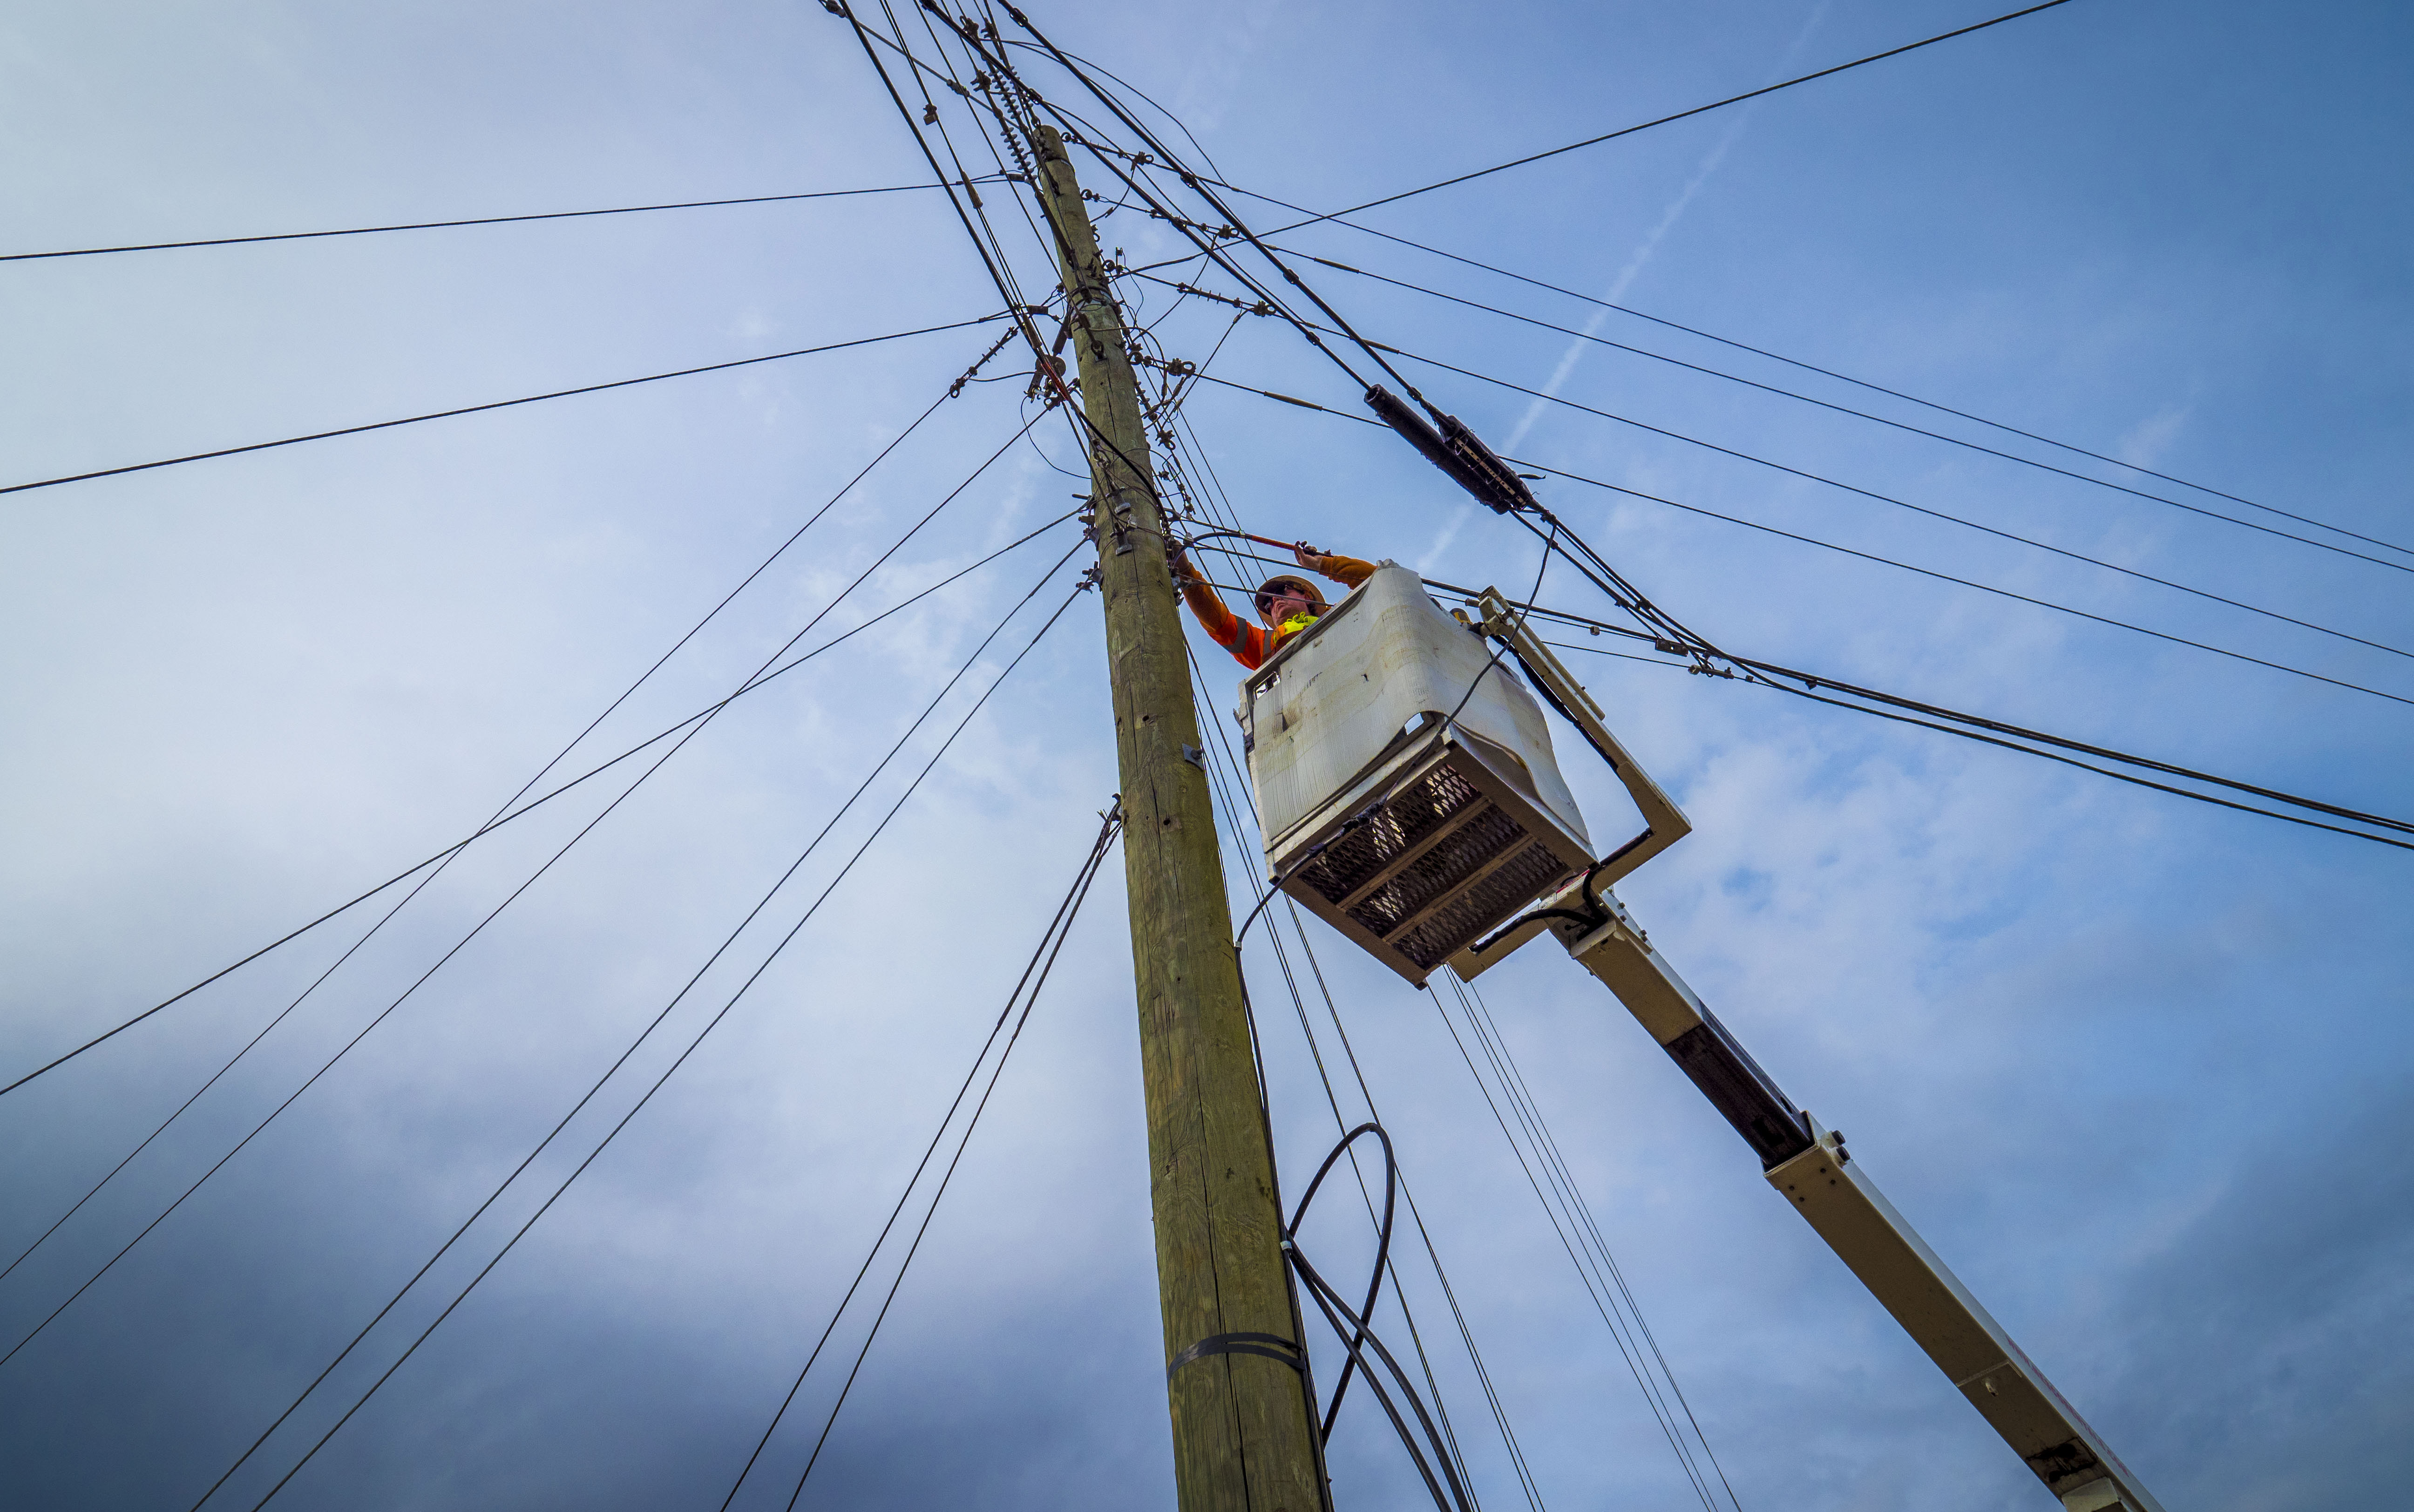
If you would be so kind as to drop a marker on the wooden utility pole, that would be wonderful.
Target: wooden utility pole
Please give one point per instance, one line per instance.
(1244, 1436)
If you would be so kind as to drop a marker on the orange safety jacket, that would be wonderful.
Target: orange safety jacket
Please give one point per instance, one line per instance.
(1250, 644)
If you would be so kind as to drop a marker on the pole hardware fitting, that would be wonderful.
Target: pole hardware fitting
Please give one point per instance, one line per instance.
(1091, 577)
(1196, 755)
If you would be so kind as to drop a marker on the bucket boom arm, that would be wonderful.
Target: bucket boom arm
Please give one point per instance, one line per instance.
(1807, 1163)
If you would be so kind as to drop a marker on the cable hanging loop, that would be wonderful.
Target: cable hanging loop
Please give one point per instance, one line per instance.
(1353, 1327)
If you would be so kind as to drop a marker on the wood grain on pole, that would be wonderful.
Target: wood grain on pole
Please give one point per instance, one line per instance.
(1243, 1437)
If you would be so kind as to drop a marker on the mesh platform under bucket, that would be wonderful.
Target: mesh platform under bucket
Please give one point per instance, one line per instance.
(1446, 850)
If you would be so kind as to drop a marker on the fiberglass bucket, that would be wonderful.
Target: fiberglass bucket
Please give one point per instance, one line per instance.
(1390, 712)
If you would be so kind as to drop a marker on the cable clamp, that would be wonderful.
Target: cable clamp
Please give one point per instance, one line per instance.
(1242, 1344)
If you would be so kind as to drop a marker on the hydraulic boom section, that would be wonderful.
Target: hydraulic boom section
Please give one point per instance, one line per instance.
(1810, 1167)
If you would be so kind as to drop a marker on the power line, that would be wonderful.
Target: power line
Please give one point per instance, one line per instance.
(1628, 1350)
(1882, 420)
(1554, 1165)
(441, 225)
(1698, 110)
(1231, 809)
(1983, 587)
(1336, 218)
(696, 728)
(1866, 555)
(1885, 498)
(1842, 378)
(495, 404)
(710, 1024)
(1971, 726)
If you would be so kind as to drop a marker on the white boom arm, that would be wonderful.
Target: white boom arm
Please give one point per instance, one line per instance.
(1811, 1166)
(1804, 1162)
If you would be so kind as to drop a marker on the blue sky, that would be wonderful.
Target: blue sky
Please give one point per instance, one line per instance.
(2133, 1065)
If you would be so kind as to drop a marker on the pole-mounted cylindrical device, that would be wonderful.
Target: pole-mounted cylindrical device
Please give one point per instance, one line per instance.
(1236, 1380)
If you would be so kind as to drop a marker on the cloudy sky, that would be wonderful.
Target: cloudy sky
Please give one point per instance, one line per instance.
(2137, 1066)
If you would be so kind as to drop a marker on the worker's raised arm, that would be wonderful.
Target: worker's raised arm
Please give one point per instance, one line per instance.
(1348, 571)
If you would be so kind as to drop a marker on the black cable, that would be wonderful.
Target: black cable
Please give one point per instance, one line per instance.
(383, 1014)
(1197, 146)
(495, 404)
(1494, 660)
(1089, 873)
(1335, 218)
(714, 1022)
(1882, 420)
(1200, 184)
(439, 225)
(998, 273)
(1232, 809)
(1901, 503)
(1072, 901)
(1360, 1336)
(1382, 1246)
(697, 727)
(1690, 647)
(505, 808)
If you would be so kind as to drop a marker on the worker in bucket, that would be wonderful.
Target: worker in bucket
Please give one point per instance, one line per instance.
(1287, 603)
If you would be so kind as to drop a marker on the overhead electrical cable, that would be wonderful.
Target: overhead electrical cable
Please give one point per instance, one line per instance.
(1983, 587)
(1846, 378)
(913, 786)
(1698, 110)
(1230, 809)
(441, 225)
(1866, 555)
(495, 404)
(1058, 928)
(505, 808)
(1000, 274)
(753, 684)
(1613, 1300)
(1875, 419)
(1204, 244)
(1902, 503)
(1975, 734)
(1114, 823)
(1165, 415)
